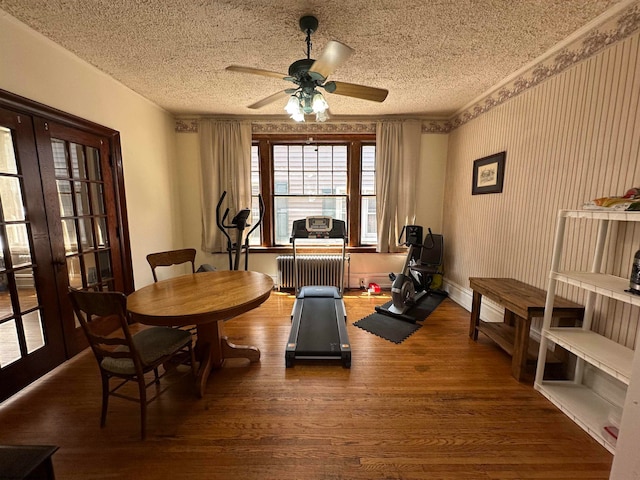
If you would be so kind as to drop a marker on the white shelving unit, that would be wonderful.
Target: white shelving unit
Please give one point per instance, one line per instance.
(575, 398)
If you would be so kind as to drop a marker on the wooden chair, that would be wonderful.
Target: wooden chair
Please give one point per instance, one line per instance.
(128, 357)
(172, 257)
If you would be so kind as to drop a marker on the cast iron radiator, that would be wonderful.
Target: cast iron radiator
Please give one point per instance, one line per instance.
(312, 270)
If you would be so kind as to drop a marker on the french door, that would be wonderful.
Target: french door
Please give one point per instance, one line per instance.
(81, 208)
(31, 337)
(62, 224)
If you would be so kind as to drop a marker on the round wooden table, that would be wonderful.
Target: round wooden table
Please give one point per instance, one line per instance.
(203, 299)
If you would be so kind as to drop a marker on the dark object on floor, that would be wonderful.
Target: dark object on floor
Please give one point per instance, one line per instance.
(387, 327)
(396, 330)
(26, 461)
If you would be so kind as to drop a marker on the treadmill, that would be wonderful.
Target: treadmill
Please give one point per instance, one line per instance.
(318, 318)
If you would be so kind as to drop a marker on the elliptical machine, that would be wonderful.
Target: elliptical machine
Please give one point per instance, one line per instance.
(413, 283)
(239, 224)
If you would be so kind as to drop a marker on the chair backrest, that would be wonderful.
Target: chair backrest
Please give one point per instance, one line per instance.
(432, 249)
(172, 257)
(89, 306)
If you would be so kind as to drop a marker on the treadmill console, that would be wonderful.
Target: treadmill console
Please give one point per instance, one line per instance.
(319, 227)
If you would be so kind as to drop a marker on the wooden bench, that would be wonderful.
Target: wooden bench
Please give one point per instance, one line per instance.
(521, 302)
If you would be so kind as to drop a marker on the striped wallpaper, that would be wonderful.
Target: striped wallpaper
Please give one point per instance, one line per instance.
(572, 138)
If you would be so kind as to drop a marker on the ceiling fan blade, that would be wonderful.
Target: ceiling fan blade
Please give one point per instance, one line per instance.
(270, 99)
(333, 55)
(255, 71)
(360, 91)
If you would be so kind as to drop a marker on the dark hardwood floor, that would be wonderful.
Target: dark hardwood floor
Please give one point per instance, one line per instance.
(437, 406)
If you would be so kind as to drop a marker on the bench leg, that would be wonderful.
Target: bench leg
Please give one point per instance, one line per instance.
(520, 347)
(509, 317)
(475, 315)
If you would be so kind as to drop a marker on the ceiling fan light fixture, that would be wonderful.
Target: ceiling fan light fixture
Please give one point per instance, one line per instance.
(298, 116)
(321, 116)
(319, 104)
(293, 105)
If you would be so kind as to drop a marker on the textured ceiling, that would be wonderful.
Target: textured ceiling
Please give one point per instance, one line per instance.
(433, 56)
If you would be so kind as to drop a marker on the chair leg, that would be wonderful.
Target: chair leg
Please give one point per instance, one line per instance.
(143, 407)
(105, 399)
(192, 354)
(155, 372)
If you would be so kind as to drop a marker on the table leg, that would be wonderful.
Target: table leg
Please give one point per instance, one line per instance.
(520, 347)
(231, 350)
(213, 347)
(208, 352)
(475, 315)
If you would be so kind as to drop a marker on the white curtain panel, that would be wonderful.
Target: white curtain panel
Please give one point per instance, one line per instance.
(225, 155)
(397, 160)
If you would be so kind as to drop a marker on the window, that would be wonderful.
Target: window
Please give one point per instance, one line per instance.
(368, 225)
(298, 177)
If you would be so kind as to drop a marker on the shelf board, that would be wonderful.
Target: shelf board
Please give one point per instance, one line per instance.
(603, 353)
(620, 215)
(600, 283)
(583, 406)
(504, 336)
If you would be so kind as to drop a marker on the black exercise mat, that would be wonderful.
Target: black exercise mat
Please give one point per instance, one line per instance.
(396, 330)
(387, 327)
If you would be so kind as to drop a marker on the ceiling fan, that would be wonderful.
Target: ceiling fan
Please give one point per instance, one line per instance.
(308, 75)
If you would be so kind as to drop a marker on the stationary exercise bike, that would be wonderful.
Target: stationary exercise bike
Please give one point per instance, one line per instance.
(239, 224)
(423, 262)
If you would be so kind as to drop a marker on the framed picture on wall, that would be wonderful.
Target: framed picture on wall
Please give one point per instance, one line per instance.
(488, 174)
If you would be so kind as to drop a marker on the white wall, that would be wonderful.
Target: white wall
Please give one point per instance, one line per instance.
(36, 68)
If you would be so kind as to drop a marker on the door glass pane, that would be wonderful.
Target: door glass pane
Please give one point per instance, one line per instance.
(58, 148)
(11, 199)
(93, 164)
(90, 268)
(97, 201)
(70, 237)
(9, 346)
(82, 198)
(64, 198)
(33, 332)
(102, 235)
(6, 309)
(104, 258)
(7, 154)
(25, 284)
(86, 233)
(75, 274)
(18, 240)
(77, 161)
